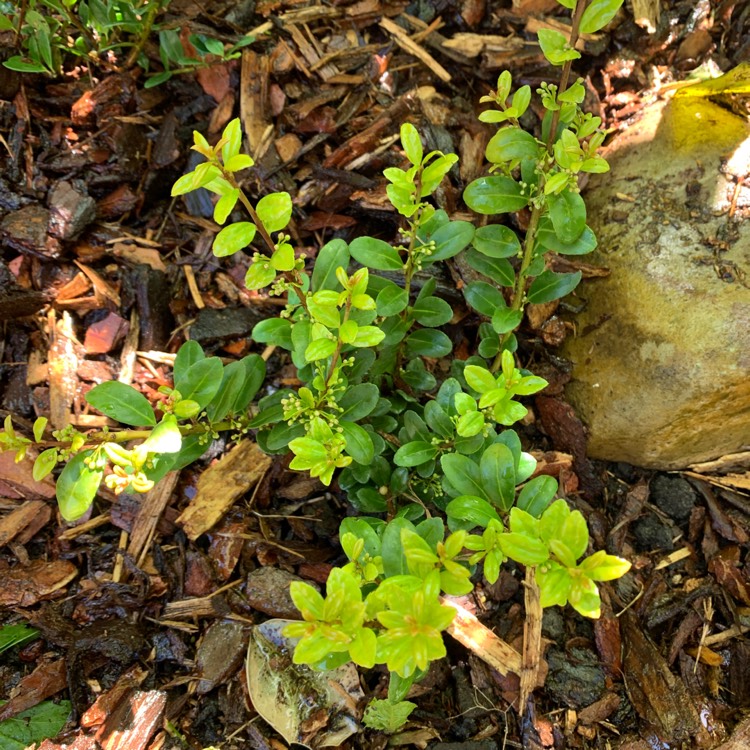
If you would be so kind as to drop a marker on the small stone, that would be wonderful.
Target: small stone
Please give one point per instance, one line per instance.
(26, 230)
(267, 590)
(576, 679)
(71, 210)
(673, 495)
(213, 326)
(652, 533)
(661, 363)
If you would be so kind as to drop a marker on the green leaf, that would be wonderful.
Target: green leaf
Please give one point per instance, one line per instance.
(415, 453)
(44, 463)
(275, 211)
(484, 297)
(30, 727)
(549, 286)
(40, 423)
(506, 319)
(260, 274)
(358, 401)
(428, 343)
(555, 47)
(497, 241)
(497, 269)
(575, 534)
(433, 174)
(320, 349)
(548, 239)
(225, 205)
(375, 254)
(567, 211)
(238, 163)
(479, 379)
(450, 239)
(189, 353)
(164, 438)
(201, 381)
(603, 567)
(438, 420)
(282, 434)
(20, 65)
(394, 560)
(15, 635)
(463, 475)
(232, 132)
(277, 331)
(368, 336)
(391, 300)
(537, 494)
(255, 373)
(233, 238)
(554, 585)
(283, 257)
(498, 474)
(122, 403)
(153, 82)
(523, 549)
(511, 143)
(412, 143)
(358, 442)
(432, 311)
(76, 487)
(333, 255)
(495, 195)
(472, 510)
(598, 14)
(470, 424)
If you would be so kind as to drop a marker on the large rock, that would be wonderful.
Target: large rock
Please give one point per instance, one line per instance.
(662, 357)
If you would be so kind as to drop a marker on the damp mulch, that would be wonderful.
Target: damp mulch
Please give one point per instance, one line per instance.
(144, 609)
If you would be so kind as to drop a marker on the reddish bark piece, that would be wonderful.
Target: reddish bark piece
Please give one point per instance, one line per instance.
(17, 481)
(566, 430)
(214, 80)
(226, 546)
(609, 640)
(106, 703)
(321, 220)
(600, 710)
(730, 577)
(113, 97)
(101, 337)
(17, 520)
(82, 741)
(132, 724)
(24, 586)
(121, 200)
(46, 680)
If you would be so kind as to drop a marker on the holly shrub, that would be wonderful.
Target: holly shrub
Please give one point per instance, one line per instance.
(429, 463)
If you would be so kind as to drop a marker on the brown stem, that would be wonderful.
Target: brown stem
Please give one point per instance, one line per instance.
(125, 436)
(145, 33)
(519, 291)
(290, 276)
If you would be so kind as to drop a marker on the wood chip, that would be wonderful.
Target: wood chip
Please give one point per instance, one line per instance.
(409, 45)
(254, 98)
(17, 480)
(63, 364)
(478, 638)
(659, 697)
(221, 485)
(135, 720)
(106, 703)
(25, 585)
(16, 521)
(48, 679)
(152, 507)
